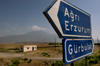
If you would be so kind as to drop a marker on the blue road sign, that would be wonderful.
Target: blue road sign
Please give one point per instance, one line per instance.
(75, 49)
(68, 20)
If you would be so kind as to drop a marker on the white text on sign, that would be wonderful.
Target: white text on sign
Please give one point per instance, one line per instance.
(71, 27)
(78, 49)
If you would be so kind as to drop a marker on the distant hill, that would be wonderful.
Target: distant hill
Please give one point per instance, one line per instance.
(34, 36)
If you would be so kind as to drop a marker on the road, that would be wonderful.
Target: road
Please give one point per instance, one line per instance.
(10, 55)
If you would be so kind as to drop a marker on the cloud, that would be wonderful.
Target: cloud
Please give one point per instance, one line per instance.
(14, 28)
(34, 27)
(7, 24)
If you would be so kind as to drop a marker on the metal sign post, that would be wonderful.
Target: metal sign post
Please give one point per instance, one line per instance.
(72, 64)
(86, 61)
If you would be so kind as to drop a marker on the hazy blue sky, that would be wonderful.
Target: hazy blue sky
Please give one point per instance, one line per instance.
(23, 16)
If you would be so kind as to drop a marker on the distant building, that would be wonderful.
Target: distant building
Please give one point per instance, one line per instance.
(27, 48)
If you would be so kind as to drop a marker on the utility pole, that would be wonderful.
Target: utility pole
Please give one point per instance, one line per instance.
(55, 44)
(98, 45)
(97, 41)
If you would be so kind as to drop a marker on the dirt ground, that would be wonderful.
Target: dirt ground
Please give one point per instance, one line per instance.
(45, 55)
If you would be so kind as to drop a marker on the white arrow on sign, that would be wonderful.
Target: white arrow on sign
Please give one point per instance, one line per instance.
(51, 14)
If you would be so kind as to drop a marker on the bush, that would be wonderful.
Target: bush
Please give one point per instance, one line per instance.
(97, 43)
(54, 44)
(25, 59)
(46, 63)
(15, 62)
(8, 64)
(99, 57)
(45, 54)
(13, 49)
(29, 61)
(58, 63)
(93, 59)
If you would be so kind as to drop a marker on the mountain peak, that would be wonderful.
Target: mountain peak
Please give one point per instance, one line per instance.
(33, 36)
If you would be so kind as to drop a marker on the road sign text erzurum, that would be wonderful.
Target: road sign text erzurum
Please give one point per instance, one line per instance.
(73, 20)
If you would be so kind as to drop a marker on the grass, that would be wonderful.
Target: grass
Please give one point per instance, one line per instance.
(59, 51)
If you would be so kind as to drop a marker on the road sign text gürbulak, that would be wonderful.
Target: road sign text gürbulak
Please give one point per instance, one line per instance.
(76, 49)
(79, 48)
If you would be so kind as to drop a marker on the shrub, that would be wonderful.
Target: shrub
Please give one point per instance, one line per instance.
(8, 64)
(99, 57)
(29, 61)
(15, 62)
(45, 54)
(58, 63)
(93, 59)
(25, 59)
(13, 49)
(54, 44)
(46, 63)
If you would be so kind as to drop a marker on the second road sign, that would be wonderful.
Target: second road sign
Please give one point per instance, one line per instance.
(75, 49)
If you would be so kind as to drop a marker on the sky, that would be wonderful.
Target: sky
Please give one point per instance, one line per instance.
(22, 16)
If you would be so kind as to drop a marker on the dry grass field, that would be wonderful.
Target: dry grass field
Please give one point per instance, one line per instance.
(45, 55)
